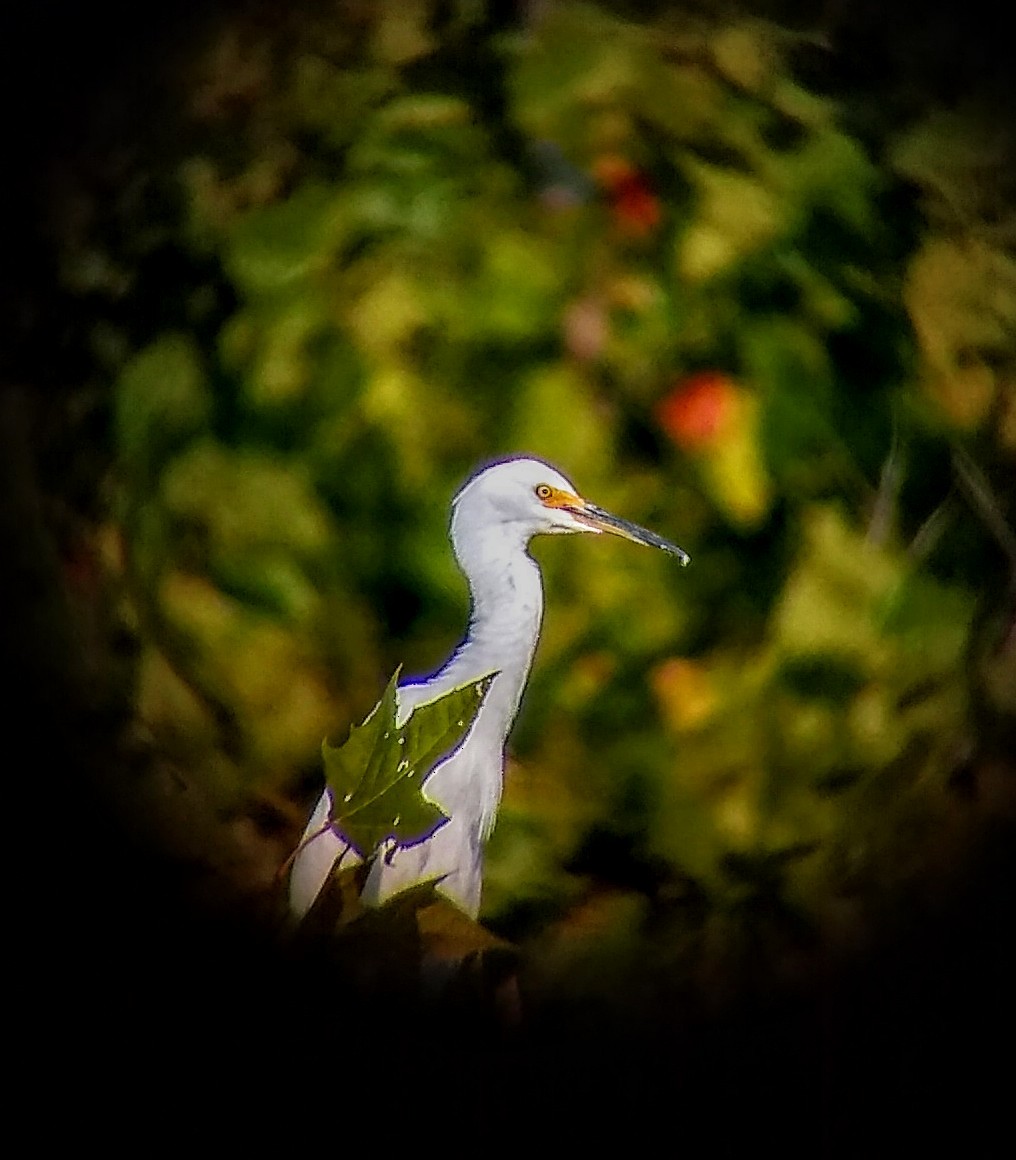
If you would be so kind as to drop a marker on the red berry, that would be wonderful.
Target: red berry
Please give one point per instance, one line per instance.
(635, 206)
(697, 412)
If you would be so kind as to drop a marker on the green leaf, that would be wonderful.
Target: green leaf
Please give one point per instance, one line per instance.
(737, 214)
(246, 502)
(401, 33)
(162, 400)
(580, 57)
(281, 245)
(436, 727)
(377, 776)
(547, 393)
(518, 286)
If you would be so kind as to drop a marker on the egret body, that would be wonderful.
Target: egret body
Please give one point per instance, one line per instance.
(494, 516)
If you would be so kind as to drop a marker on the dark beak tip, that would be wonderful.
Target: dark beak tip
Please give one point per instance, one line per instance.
(606, 521)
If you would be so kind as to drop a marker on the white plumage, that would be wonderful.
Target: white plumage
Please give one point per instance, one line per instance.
(494, 516)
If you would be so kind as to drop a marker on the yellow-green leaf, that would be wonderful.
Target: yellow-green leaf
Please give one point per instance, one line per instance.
(377, 776)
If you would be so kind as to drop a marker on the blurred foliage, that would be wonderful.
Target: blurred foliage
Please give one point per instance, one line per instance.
(392, 240)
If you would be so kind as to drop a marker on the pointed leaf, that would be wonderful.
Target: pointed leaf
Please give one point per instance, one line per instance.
(377, 776)
(437, 727)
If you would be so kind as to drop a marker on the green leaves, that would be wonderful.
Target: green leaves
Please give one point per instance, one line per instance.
(377, 776)
(276, 248)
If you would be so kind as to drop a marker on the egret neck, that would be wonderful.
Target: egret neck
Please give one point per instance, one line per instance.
(494, 516)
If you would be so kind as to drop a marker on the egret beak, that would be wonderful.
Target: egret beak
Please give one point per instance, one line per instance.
(599, 520)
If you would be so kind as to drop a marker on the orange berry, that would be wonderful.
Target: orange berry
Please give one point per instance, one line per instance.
(636, 208)
(698, 411)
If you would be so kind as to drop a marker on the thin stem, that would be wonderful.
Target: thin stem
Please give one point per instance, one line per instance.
(932, 530)
(977, 489)
(287, 865)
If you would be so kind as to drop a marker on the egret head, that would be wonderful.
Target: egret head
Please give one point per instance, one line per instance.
(526, 497)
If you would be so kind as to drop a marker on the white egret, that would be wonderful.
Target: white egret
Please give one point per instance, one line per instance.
(494, 516)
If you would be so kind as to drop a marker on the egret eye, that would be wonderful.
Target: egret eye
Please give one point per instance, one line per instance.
(544, 491)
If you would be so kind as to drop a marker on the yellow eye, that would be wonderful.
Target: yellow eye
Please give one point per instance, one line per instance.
(544, 491)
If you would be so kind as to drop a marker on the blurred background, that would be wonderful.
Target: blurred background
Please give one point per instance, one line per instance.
(746, 273)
